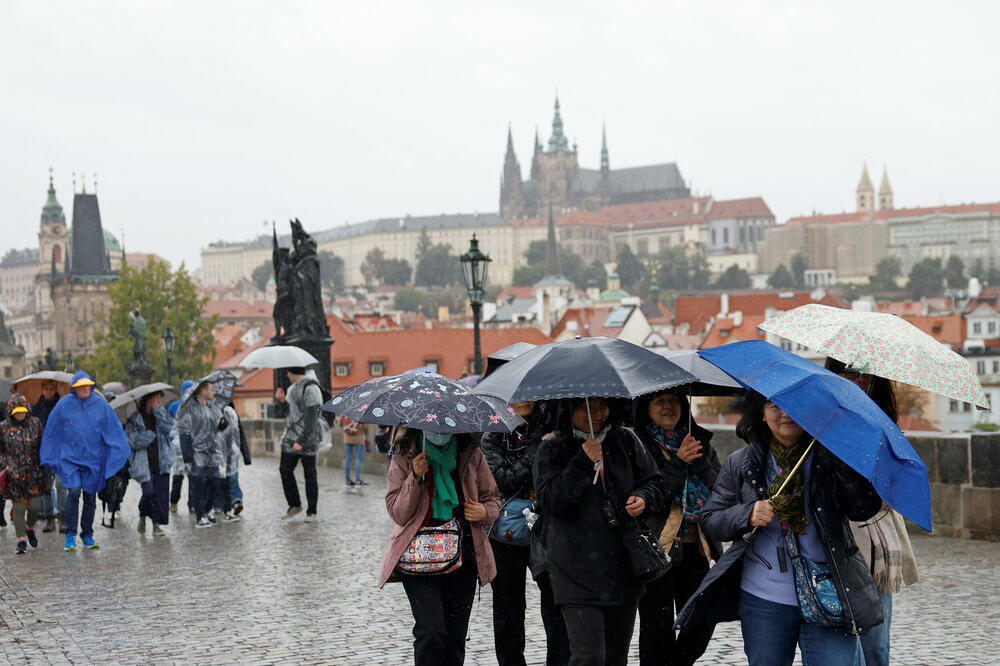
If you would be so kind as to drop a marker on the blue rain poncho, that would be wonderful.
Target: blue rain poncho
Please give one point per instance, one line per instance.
(83, 443)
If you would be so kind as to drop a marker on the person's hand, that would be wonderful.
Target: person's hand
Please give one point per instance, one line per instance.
(475, 512)
(593, 449)
(762, 514)
(635, 505)
(690, 449)
(279, 394)
(420, 464)
(296, 447)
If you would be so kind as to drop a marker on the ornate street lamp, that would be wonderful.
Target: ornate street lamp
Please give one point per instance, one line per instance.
(168, 339)
(474, 265)
(70, 363)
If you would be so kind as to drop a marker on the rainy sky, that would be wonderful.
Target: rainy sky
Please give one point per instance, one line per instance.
(204, 119)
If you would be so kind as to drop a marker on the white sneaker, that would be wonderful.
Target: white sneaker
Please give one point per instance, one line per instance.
(230, 518)
(203, 522)
(310, 518)
(292, 510)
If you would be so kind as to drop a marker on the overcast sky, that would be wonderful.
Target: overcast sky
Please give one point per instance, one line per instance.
(204, 119)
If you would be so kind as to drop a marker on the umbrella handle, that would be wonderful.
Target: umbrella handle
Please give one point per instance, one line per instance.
(590, 423)
(752, 534)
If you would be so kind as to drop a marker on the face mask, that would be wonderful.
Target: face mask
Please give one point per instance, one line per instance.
(437, 439)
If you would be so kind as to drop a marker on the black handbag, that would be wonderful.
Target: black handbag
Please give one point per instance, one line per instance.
(648, 559)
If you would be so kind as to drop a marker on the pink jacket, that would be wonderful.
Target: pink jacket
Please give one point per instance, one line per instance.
(407, 502)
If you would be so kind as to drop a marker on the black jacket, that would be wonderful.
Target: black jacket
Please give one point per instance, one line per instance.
(510, 459)
(587, 561)
(836, 494)
(43, 408)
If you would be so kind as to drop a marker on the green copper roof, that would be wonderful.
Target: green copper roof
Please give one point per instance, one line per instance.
(110, 242)
(553, 281)
(558, 141)
(52, 211)
(613, 295)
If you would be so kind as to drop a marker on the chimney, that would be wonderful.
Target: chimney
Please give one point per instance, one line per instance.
(546, 313)
(723, 304)
(737, 319)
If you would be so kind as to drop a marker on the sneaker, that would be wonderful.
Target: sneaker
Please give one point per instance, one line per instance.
(211, 518)
(70, 542)
(238, 507)
(310, 518)
(50, 525)
(173, 508)
(141, 527)
(32, 538)
(229, 517)
(89, 542)
(158, 531)
(350, 483)
(292, 510)
(22, 548)
(361, 483)
(203, 522)
(211, 515)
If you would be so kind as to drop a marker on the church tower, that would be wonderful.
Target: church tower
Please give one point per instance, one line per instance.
(866, 193)
(557, 166)
(53, 235)
(536, 168)
(511, 190)
(885, 191)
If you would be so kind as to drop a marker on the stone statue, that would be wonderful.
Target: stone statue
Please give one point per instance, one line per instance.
(310, 321)
(137, 329)
(285, 287)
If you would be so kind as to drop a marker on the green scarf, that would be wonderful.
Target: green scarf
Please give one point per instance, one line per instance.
(443, 461)
(791, 504)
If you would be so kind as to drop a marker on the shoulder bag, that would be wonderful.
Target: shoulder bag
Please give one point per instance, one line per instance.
(433, 550)
(815, 590)
(511, 526)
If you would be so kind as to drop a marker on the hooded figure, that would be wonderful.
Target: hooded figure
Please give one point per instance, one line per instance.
(19, 442)
(84, 444)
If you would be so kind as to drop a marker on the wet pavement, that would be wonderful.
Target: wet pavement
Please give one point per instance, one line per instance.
(273, 592)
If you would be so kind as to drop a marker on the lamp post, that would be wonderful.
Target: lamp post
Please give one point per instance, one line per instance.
(168, 339)
(70, 363)
(474, 265)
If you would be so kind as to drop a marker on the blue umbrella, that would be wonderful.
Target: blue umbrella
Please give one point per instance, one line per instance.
(839, 415)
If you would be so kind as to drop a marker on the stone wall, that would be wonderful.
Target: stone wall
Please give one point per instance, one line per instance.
(964, 471)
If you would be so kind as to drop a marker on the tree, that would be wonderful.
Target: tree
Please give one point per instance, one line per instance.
(453, 299)
(926, 278)
(886, 272)
(423, 244)
(629, 269)
(527, 276)
(438, 267)
(331, 270)
(954, 273)
(395, 272)
(978, 270)
(409, 299)
(733, 278)
(799, 266)
(781, 278)
(371, 267)
(595, 271)
(679, 271)
(165, 299)
(262, 275)
(535, 254)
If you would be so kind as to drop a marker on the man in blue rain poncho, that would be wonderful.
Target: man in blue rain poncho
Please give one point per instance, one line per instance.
(84, 445)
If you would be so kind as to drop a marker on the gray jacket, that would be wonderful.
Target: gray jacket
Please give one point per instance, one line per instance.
(141, 439)
(199, 425)
(302, 425)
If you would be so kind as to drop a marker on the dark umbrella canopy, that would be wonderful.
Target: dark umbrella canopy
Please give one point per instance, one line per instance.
(424, 401)
(508, 353)
(584, 367)
(127, 404)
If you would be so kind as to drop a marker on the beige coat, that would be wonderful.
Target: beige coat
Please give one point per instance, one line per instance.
(408, 501)
(357, 438)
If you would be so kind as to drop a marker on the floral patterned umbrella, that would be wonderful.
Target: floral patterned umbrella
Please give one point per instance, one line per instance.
(881, 344)
(424, 401)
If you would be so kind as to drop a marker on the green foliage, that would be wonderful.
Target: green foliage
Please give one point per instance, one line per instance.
(262, 275)
(395, 272)
(678, 271)
(331, 271)
(926, 278)
(595, 271)
(954, 273)
(165, 299)
(886, 272)
(978, 270)
(409, 299)
(526, 276)
(438, 267)
(371, 267)
(781, 278)
(799, 266)
(733, 278)
(453, 299)
(535, 254)
(423, 244)
(630, 270)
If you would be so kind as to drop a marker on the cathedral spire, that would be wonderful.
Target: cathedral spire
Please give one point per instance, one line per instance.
(885, 191)
(605, 163)
(865, 192)
(510, 145)
(557, 142)
(511, 190)
(552, 264)
(52, 211)
(536, 166)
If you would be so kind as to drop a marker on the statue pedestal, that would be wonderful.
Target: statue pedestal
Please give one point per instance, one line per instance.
(139, 375)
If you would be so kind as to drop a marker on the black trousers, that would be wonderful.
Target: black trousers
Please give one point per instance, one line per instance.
(287, 470)
(176, 483)
(657, 643)
(441, 606)
(599, 634)
(509, 607)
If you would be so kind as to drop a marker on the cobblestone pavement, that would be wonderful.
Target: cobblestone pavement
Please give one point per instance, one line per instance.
(268, 591)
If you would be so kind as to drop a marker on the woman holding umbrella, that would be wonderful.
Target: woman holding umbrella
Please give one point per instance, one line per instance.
(592, 478)
(148, 434)
(689, 466)
(799, 579)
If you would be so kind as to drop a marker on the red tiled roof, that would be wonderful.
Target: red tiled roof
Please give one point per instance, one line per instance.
(725, 330)
(912, 423)
(751, 207)
(698, 309)
(895, 213)
(948, 329)
(914, 308)
(518, 292)
(143, 258)
(238, 309)
(590, 323)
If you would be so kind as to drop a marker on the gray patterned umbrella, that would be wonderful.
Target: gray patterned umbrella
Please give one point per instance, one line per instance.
(424, 401)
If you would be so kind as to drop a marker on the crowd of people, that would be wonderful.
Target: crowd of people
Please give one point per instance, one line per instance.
(587, 474)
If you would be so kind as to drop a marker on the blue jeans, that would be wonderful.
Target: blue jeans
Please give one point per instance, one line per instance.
(202, 489)
(876, 642)
(357, 452)
(73, 508)
(235, 493)
(771, 631)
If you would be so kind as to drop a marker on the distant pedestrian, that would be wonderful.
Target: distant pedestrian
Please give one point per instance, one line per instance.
(300, 440)
(355, 440)
(180, 468)
(27, 480)
(198, 423)
(84, 445)
(54, 501)
(152, 456)
(229, 440)
(433, 481)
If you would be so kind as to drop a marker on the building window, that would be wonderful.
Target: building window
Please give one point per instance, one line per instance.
(725, 235)
(713, 236)
(991, 327)
(433, 364)
(966, 407)
(976, 328)
(642, 247)
(376, 368)
(996, 367)
(953, 406)
(980, 367)
(341, 369)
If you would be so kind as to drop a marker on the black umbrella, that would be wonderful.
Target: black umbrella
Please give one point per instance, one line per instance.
(424, 401)
(127, 404)
(502, 356)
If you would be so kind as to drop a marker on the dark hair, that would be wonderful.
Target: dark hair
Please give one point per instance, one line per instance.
(144, 400)
(409, 442)
(640, 408)
(563, 420)
(880, 391)
(752, 428)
